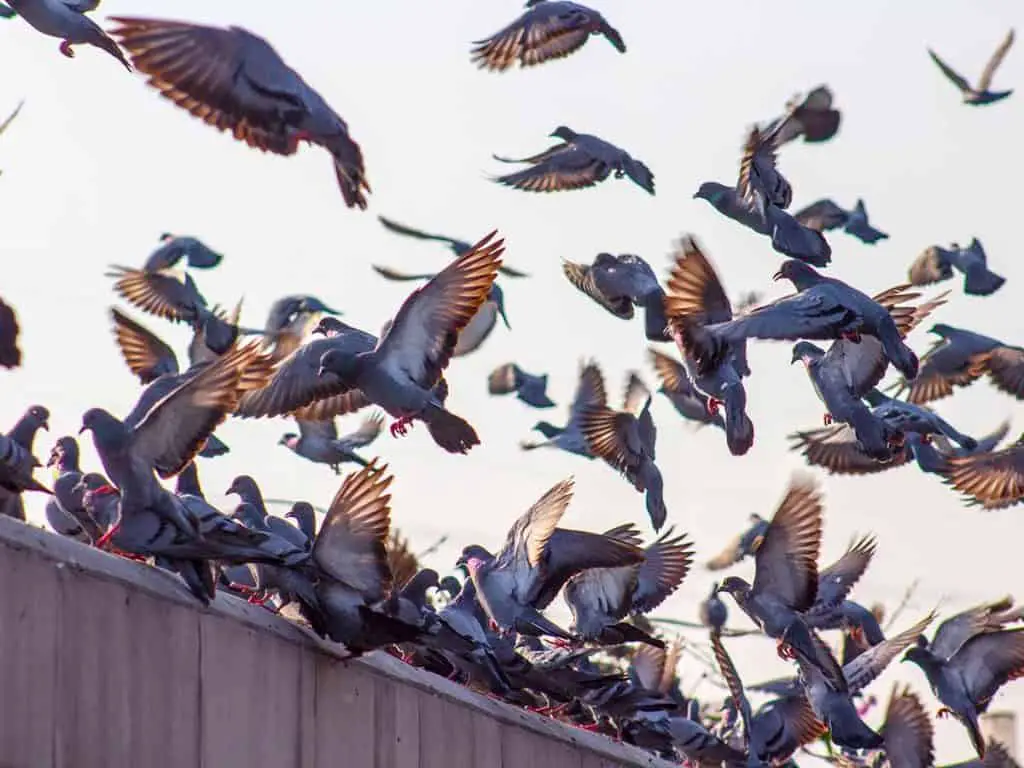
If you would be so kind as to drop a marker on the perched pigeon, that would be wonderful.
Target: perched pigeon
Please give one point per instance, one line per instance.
(479, 327)
(713, 612)
(548, 29)
(620, 283)
(234, 80)
(10, 354)
(936, 264)
(590, 392)
(626, 441)
(786, 578)
(531, 389)
(17, 462)
(743, 545)
(318, 441)
(290, 320)
(990, 480)
(980, 94)
(825, 215)
(538, 558)
(458, 247)
(813, 118)
(65, 510)
(174, 248)
(66, 19)
(688, 401)
(968, 661)
(695, 297)
(822, 308)
(601, 598)
(582, 160)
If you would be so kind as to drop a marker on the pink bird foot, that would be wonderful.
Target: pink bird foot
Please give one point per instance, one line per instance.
(785, 651)
(713, 405)
(104, 540)
(945, 712)
(827, 419)
(65, 48)
(297, 138)
(401, 426)
(853, 336)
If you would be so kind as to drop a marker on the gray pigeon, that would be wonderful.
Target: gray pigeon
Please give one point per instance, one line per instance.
(318, 441)
(760, 179)
(812, 118)
(601, 598)
(936, 264)
(581, 161)
(303, 514)
(625, 440)
(174, 248)
(745, 544)
(836, 580)
(786, 578)
(67, 21)
(824, 216)
(65, 510)
(10, 354)
(548, 29)
(695, 297)
(967, 662)
(17, 462)
(253, 511)
(822, 308)
(990, 480)
(530, 389)
(689, 402)
(290, 320)
(234, 80)
(620, 283)
(590, 391)
(980, 94)
(538, 558)
(713, 612)
(907, 417)
(458, 247)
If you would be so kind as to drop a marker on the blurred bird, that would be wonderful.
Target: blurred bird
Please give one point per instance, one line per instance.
(290, 320)
(744, 545)
(10, 354)
(689, 402)
(174, 248)
(991, 480)
(980, 94)
(936, 264)
(66, 19)
(813, 118)
(825, 215)
(318, 441)
(458, 247)
(620, 283)
(509, 378)
(590, 391)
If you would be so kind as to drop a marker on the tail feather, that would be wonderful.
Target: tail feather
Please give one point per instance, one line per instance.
(739, 429)
(449, 431)
(899, 353)
(981, 282)
(624, 632)
(612, 35)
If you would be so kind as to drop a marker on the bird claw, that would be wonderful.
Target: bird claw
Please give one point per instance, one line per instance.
(827, 419)
(853, 336)
(65, 48)
(926, 439)
(785, 651)
(944, 712)
(297, 138)
(401, 426)
(713, 405)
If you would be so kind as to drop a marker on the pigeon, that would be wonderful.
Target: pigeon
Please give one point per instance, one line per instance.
(234, 80)
(537, 559)
(147, 356)
(990, 480)
(812, 118)
(289, 321)
(786, 578)
(689, 402)
(400, 372)
(907, 417)
(6, 12)
(65, 510)
(743, 545)
(66, 20)
(625, 440)
(936, 264)
(479, 328)
(967, 662)
(548, 29)
(713, 612)
(318, 441)
(174, 248)
(10, 354)
(590, 392)
(907, 731)
(824, 216)
(17, 462)
(620, 283)
(653, 668)
(979, 94)
(458, 247)
(760, 179)
(601, 598)
(530, 389)
(581, 161)
(822, 308)
(695, 297)
(253, 511)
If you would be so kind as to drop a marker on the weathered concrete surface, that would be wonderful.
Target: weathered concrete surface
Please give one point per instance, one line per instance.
(107, 663)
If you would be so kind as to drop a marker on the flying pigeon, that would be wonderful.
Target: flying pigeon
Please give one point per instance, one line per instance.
(234, 80)
(936, 264)
(980, 94)
(954, 360)
(66, 20)
(17, 462)
(582, 160)
(174, 248)
(590, 391)
(548, 29)
(689, 402)
(990, 480)
(713, 612)
(290, 320)
(620, 283)
(10, 354)
(458, 247)
(318, 441)
(907, 731)
(531, 389)
(695, 297)
(813, 118)
(745, 544)
(907, 417)
(760, 181)
(625, 440)
(824, 216)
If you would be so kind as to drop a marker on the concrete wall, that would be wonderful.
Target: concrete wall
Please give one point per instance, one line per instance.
(107, 663)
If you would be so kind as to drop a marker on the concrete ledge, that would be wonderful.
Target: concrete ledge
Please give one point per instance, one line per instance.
(107, 663)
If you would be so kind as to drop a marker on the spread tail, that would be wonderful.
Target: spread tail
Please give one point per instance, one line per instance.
(449, 431)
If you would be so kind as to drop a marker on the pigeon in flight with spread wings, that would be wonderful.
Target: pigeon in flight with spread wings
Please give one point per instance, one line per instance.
(981, 93)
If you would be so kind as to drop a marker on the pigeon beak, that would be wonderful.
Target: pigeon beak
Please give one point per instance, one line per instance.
(83, 429)
(778, 275)
(54, 458)
(45, 425)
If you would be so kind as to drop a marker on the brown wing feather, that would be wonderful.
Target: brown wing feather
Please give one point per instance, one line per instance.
(528, 40)
(402, 561)
(1005, 366)
(694, 290)
(835, 449)
(582, 278)
(992, 480)
(141, 348)
(603, 430)
(143, 289)
(671, 373)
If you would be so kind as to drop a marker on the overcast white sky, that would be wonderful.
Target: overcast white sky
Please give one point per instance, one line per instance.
(98, 165)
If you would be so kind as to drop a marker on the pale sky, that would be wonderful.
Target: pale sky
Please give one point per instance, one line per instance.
(98, 165)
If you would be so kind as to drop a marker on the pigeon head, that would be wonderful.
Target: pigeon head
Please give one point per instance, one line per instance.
(941, 329)
(920, 655)
(497, 296)
(64, 453)
(166, 237)
(38, 416)
(244, 487)
(451, 585)
(329, 326)
(797, 272)
(473, 552)
(713, 192)
(547, 429)
(735, 586)
(806, 352)
(563, 133)
(304, 516)
(102, 424)
(341, 364)
(289, 439)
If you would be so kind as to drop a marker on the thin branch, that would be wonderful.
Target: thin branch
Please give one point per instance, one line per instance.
(908, 594)
(695, 625)
(432, 548)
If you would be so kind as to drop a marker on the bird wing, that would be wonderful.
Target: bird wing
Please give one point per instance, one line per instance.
(666, 563)
(804, 315)
(163, 293)
(503, 380)
(823, 215)
(367, 432)
(590, 391)
(836, 581)
(530, 534)
(393, 274)
(864, 669)
(423, 336)
(955, 631)
(403, 229)
(988, 661)
(671, 373)
(583, 279)
(626, 276)
(787, 560)
(176, 428)
(571, 167)
(10, 355)
(608, 435)
(907, 731)
(605, 591)
(143, 350)
(694, 291)
(1005, 366)
(648, 666)
(759, 175)
(930, 266)
(636, 395)
(957, 79)
(934, 380)
(993, 64)
(782, 726)
(402, 561)
(541, 33)
(351, 546)
(836, 449)
(330, 407)
(82, 6)
(992, 480)
(731, 554)
(325, 430)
